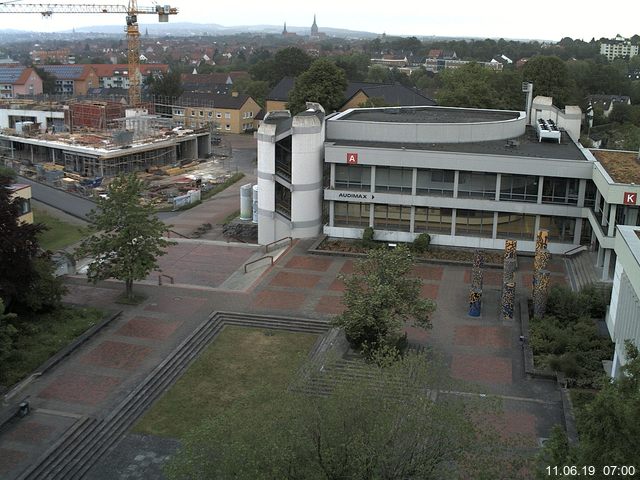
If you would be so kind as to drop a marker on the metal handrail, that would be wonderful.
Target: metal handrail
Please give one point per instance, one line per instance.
(163, 275)
(266, 247)
(573, 250)
(257, 260)
(177, 233)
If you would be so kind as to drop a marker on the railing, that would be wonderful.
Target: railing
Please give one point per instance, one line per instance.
(169, 232)
(167, 276)
(579, 248)
(270, 257)
(266, 247)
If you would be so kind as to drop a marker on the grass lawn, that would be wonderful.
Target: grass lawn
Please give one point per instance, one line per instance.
(41, 337)
(237, 364)
(59, 234)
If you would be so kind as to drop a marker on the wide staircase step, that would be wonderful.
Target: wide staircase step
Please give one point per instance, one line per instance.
(89, 439)
(583, 271)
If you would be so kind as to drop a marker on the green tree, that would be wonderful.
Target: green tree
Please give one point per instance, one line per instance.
(379, 297)
(48, 81)
(257, 89)
(288, 62)
(128, 238)
(355, 66)
(169, 86)
(608, 426)
(550, 78)
(378, 74)
(382, 425)
(468, 86)
(324, 83)
(7, 333)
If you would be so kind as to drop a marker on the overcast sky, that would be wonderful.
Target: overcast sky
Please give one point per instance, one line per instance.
(549, 20)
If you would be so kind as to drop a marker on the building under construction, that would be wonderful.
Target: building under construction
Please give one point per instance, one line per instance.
(95, 139)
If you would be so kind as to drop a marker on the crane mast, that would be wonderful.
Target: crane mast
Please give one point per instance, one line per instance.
(132, 30)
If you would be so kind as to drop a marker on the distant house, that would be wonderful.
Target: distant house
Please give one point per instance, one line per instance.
(607, 102)
(210, 83)
(73, 79)
(357, 94)
(619, 47)
(117, 75)
(234, 113)
(17, 81)
(22, 194)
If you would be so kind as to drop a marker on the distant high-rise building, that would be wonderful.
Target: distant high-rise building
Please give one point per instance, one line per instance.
(619, 47)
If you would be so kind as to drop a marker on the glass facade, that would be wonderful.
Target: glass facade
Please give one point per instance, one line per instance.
(475, 223)
(519, 188)
(477, 185)
(560, 228)
(394, 179)
(435, 182)
(353, 177)
(283, 201)
(560, 190)
(516, 225)
(392, 217)
(433, 220)
(351, 214)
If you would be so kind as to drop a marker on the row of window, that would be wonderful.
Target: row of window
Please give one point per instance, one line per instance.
(476, 223)
(515, 188)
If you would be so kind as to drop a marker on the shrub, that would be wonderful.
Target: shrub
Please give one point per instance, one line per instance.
(421, 243)
(367, 237)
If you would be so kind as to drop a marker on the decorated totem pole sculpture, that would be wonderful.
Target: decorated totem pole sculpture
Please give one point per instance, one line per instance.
(508, 279)
(540, 274)
(475, 293)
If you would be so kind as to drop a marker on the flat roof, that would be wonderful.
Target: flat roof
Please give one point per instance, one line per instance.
(526, 145)
(428, 114)
(622, 166)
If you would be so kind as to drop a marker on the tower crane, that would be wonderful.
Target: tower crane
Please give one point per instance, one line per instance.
(133, 32)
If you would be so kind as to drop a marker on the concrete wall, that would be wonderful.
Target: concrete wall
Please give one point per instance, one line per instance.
(267, 231)
(40, 116)
(570, 118)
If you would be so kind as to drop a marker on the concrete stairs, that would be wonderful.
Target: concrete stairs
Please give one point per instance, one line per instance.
(89, 439)
(582, 271)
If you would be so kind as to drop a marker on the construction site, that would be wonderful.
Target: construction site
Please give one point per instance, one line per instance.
(79, 145)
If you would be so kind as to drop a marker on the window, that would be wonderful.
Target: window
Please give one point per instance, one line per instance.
(353, 177)
(193, 113)
(201, 113)
(392, 217)
(351, 214)
(477, 185)
(433, 220)
(516, 226)
(218, 115)
(283, 201)
(24, 205)
(519, 188)
(476, 223)
(435, 182)
(394, 179)
(590, 194)
(209, 114)
(227, 127)
(560, 228)
(227, 116)
(560, 190)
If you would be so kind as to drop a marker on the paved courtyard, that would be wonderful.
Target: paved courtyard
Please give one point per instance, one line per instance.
(483, 354)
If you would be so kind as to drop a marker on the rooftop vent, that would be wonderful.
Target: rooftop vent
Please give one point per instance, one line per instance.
(547, 130)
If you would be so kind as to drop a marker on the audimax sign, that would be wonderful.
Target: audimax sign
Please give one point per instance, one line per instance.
(355, 197)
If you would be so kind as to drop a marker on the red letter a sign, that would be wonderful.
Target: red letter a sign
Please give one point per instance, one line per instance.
(352, 158)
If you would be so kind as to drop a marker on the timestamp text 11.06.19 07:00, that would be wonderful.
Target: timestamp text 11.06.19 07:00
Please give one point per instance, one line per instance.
(613, 471)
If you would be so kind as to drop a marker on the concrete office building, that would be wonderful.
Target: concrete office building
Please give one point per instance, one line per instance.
(623, 317)
(468, 177)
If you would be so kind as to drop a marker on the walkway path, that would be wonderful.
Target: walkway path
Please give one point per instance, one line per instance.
(484, 354)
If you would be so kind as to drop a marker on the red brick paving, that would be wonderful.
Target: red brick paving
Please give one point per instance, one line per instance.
(117, 355)
(176, 305)
(279, 300)
(330, 304)
(337, 285)
(309, 263)
(489, 277)
(9, 459)
(512, 425)
(430, 290)
(427, 272)
(299, 280)
(416, 334)
(473, 335)
(347, 268)
(481, 369)
(30, 432)
(79, 388)
(145, 327)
